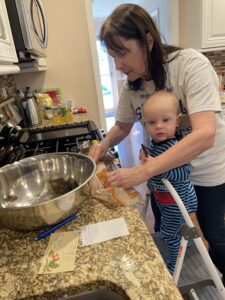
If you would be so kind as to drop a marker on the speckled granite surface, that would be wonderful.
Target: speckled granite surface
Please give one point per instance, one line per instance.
(131, 265)
(76, 118)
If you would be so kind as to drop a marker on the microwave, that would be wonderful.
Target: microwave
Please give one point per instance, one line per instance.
(29, 28)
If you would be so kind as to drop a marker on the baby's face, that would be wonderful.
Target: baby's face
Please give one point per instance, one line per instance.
(161, 121)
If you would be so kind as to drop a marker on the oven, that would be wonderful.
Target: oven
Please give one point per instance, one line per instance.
(17, 143)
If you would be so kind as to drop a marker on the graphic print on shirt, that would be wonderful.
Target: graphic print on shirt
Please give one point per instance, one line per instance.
(138, 109)
(169, 89)
(184, 124)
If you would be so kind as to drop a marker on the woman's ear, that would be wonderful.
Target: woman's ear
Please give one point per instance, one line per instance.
(150, 41)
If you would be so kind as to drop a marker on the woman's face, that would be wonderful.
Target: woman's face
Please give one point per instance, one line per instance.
(132, 60)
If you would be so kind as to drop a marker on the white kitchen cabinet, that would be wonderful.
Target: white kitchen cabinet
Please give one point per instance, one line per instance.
(202, 24)
(8, 54)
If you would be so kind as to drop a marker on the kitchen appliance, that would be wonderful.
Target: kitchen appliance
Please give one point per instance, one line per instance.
(43, 190)
(19, 144)
(29, 28)
(30, 112)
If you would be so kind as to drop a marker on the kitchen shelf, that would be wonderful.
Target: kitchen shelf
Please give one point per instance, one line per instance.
(14, 69)
(33, 69)
(8, 69)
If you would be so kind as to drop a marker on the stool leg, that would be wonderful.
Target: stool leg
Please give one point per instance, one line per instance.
(146, 204)
(198, 241)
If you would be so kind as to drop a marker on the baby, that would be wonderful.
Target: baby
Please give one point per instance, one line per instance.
(161, 116)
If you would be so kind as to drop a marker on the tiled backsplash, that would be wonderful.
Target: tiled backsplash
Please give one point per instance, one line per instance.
(217, 59)
(7, 87)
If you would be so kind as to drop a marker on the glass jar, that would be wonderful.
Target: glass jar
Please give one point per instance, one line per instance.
(48, 113)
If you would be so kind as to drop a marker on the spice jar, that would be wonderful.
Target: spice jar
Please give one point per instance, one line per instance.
(43, 101)
(48, 113)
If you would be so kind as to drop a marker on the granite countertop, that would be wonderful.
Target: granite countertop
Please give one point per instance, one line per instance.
(76, 118)
(130, 265)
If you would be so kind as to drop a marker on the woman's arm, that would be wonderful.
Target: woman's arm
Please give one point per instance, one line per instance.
(116, 134)
(200, 139)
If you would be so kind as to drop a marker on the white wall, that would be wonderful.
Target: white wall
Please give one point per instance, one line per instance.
(168, 18)
(103, 8)
(168, 14)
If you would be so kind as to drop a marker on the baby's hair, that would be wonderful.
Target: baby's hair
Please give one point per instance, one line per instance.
(163, 94)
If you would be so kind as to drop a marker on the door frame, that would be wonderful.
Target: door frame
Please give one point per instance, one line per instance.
(94, 54)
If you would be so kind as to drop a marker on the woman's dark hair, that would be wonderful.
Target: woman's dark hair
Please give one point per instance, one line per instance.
(130, 21)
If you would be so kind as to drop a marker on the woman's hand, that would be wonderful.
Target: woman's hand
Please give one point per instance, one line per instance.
(145, 159)
(97, 151)
(116, 134)
(127, 177)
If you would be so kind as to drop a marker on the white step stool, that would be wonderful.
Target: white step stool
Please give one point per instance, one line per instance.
(194, 272)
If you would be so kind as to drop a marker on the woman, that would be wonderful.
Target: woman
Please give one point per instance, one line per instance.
(132, 39)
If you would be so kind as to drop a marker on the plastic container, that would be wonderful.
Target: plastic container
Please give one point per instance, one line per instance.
(43, 101)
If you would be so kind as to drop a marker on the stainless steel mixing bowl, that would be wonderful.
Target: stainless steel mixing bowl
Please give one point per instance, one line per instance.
(43, 190)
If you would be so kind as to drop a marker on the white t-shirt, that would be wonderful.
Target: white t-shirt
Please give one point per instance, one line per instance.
(192, 79)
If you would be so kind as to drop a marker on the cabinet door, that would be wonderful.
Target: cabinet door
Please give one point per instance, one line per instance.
(213, 23)
(7, 49)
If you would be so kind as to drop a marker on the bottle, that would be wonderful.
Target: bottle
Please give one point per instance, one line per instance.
(30, 112)
(69, 116)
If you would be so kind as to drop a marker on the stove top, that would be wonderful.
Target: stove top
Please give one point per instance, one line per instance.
(70, 138)
(87, 130)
